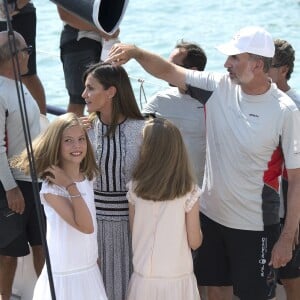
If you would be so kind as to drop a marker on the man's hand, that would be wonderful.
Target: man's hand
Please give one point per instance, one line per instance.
(15, 200)
(122, 53)
(282, 251)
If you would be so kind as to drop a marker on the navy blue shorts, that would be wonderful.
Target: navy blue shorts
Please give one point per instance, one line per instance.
(25, 24)
(76, 57)
(31, 230)
(237, 257)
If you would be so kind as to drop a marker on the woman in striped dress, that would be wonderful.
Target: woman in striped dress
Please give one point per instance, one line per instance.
(116, 134)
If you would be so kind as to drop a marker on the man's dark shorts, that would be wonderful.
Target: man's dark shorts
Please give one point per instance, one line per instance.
(31, 231)
(25, 23)
(76, 57)
(237, 257)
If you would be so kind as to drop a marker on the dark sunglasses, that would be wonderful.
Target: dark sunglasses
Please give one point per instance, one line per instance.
(27, 49)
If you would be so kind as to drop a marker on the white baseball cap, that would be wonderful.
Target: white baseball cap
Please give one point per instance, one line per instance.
(251, 39)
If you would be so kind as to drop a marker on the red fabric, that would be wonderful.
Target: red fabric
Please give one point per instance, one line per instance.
(274, 169)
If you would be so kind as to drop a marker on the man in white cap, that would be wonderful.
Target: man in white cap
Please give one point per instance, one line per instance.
(251, 127)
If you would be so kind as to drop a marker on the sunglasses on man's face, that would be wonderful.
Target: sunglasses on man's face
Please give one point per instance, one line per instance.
(27, 49)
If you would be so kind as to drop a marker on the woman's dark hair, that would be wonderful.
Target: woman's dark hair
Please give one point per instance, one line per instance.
(123, 102)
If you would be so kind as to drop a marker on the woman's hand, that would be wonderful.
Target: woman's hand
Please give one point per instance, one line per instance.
(86, 122)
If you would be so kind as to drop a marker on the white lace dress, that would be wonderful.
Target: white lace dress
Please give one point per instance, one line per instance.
(162, 259)
(73, 254)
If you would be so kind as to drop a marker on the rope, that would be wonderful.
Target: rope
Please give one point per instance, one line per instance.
(142, 91)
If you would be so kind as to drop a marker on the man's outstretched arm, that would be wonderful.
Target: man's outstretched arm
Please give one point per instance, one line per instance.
(152, 63)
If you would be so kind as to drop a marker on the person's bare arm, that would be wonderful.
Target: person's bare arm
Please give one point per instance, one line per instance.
(15, 9)
(152, 63)
(21, 3)
(75, 212)
(282, 251)
(81, 24)
(194, 233)
(73, 209)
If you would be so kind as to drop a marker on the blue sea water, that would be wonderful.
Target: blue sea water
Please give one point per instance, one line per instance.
(157, 25)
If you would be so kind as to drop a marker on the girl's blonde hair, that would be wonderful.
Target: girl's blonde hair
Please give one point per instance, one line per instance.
(163, 171)
(46, 149)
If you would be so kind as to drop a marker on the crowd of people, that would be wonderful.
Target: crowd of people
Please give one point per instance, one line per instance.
(193, 196)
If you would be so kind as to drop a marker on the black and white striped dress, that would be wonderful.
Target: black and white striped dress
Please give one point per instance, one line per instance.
(116, 156)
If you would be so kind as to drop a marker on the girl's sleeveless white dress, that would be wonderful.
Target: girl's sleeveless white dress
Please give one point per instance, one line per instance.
(73, 254)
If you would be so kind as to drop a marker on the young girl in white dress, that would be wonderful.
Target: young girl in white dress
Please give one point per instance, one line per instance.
(65, 160)
(164, 217)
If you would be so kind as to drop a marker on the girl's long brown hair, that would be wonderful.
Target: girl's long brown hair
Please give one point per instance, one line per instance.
(163, 171)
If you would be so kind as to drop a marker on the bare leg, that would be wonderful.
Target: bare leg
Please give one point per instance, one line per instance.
(77, 109)
(8, 266)
(37, 91)
(292, 288)
(202, 292)
(38, 259)
(219, 292)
